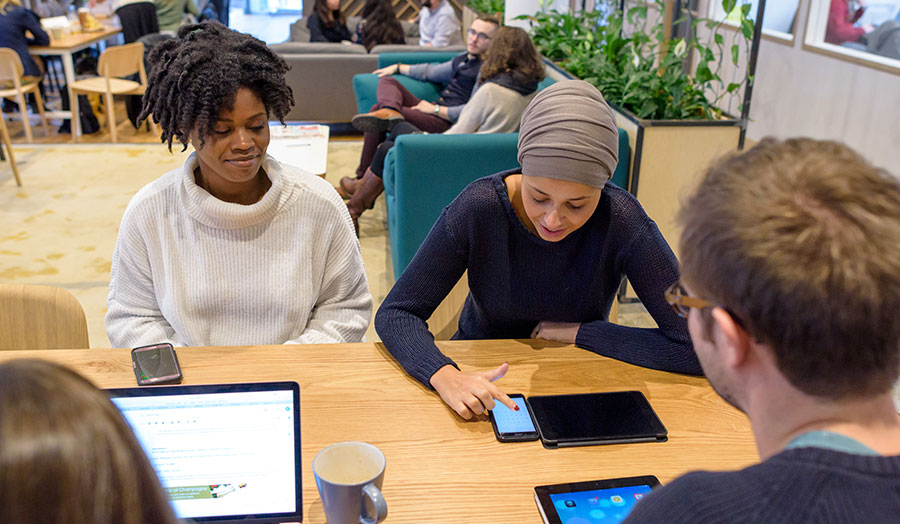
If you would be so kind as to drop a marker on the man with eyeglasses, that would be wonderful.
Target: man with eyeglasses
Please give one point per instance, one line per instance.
(791, 287)
(395, 103)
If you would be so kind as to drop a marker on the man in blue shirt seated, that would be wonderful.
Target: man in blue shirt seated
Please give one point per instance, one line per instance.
(791, 287)
(438, 24)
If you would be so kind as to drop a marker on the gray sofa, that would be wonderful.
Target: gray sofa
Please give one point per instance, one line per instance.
(321, 73)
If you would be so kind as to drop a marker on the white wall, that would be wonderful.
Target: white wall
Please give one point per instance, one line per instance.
(515, 8)
(799, 92)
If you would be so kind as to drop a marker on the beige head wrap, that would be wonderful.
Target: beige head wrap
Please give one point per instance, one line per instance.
(568, 132)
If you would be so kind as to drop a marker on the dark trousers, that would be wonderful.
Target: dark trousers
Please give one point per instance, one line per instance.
(392, 95)
(403, 128)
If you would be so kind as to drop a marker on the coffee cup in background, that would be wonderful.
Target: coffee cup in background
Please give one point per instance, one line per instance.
(349, 476)
(83, 13)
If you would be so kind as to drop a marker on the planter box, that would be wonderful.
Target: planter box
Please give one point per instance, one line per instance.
(668, 157)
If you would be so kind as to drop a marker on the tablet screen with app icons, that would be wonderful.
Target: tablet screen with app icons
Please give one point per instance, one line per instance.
(594, 502)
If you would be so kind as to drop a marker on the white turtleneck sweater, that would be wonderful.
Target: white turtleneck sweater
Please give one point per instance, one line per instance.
(194, 270)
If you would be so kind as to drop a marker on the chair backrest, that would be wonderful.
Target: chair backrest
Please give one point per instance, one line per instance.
(138, 19)
(41, 317)
(10, 65)
(122, 60)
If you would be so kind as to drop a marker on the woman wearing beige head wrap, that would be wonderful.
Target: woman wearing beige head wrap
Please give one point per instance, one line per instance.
(546, 247)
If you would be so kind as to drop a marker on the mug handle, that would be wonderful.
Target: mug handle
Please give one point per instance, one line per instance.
(378, 502)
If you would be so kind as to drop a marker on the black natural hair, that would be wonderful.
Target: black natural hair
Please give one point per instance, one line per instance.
(193, 77)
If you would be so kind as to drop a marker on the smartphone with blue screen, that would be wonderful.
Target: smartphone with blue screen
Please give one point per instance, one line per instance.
(513, 426)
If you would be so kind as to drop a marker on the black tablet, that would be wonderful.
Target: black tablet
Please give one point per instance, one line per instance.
(596, 418)
(593, 502)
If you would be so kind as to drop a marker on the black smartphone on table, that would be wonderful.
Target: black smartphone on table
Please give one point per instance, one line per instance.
(156, 364)
(513, 426)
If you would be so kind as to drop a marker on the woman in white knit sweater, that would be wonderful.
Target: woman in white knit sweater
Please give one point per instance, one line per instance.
(507, 82)
(234, 248)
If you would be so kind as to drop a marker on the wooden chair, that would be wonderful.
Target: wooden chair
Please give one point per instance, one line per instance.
(114, 63)
(11, 70)
(41, 317)
(4, 135)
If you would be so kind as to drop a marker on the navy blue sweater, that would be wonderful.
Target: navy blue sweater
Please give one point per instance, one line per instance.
(517, 279)
(13, 23)
(797, 486)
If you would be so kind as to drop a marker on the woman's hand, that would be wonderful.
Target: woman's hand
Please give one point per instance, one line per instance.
(471, 393)
(556, 331)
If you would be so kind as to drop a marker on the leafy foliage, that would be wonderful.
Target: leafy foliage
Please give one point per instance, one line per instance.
(642, 72)
(488, 7)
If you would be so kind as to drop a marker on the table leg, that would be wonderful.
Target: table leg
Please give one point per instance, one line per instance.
(69, 70)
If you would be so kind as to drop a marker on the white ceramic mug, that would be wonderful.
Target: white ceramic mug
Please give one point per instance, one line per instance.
(347, 474)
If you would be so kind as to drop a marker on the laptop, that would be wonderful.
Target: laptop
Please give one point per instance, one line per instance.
(224, 453)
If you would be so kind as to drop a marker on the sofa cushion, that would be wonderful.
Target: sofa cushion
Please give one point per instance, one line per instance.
(317, 48)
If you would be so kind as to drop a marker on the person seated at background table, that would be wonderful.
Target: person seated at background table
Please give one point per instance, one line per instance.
(438, 24)
(234, 248)
(15, 21)
(791, 287)
(379, 25)
(171, 13)
(508, 81)
(66, 454)
(546, 247)
(840, 26)
(395, 103)
(327, 23)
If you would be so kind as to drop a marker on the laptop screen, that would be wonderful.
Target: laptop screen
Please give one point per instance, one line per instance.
(222, 452)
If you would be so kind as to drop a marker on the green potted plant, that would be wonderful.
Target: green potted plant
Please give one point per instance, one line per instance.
(474, 8)
(668, 93)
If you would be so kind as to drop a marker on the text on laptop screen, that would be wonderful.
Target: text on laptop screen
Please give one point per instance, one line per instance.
(219, 454)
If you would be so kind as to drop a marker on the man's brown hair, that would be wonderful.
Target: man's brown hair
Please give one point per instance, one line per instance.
(800, 240)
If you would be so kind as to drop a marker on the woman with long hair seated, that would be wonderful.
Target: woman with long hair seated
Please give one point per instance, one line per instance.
(546, 246)
(509, 79)
(327, 23)
(233, 248)
(67, 456)
(379, 25)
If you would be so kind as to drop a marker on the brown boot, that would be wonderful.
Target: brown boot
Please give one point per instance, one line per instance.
(364, 197)
(348, 186)
(379, 121)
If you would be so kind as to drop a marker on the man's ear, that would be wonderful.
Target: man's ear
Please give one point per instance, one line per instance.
(733, 341)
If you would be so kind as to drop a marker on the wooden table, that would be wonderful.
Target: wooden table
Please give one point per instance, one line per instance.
(65, 47)
(440, 468)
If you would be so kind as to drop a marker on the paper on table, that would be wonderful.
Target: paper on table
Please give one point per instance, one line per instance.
(304, 146)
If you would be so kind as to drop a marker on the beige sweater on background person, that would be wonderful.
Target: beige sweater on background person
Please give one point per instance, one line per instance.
(492, 109)
(194, 270)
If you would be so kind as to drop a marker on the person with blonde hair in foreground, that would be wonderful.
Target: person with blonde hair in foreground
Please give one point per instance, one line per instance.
(67, 456)
(791, 287)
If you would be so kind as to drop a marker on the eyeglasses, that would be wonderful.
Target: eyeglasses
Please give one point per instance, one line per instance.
(481, 36)
(681, 302)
